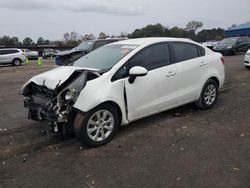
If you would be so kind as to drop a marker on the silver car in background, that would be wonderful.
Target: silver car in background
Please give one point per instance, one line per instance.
(12, 56)
(30, 54)
(247, 59)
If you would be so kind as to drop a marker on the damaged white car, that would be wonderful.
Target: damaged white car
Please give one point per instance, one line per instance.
(123, 82)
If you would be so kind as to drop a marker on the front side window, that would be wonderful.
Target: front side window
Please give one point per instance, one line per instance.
(240, 40)
(229, 41)
(153, 57)
(105, 57)
(185, 51)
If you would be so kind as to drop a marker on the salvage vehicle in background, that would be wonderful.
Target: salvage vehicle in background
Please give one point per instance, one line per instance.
(12, 56)
(211, 44)
(233, 45)
(67, 57)
(123, 82)
(247, 59)
(30, 54)
(49, 53)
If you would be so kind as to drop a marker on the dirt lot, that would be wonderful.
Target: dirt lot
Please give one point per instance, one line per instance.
(184, 147)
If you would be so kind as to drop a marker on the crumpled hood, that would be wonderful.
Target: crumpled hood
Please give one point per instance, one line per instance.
(63, 53)
(55, 77)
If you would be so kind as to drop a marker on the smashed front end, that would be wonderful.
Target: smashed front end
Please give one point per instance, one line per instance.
(54, 106)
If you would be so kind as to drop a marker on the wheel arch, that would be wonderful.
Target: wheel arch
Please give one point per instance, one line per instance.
(204, 82)
(112, 103)
(215, 79)
(15, 59)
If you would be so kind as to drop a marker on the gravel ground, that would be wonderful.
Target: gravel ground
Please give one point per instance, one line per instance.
(184, 147)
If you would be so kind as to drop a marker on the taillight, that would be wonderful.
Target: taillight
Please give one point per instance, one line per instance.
(222, 60)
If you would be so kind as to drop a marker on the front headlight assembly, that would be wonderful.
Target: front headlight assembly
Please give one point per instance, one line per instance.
(72, 94)
(74, 89)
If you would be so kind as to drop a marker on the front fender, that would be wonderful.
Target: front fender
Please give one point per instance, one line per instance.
(99, 91)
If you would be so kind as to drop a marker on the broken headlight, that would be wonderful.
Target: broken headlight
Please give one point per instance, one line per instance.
(72, 94)
(75, 88)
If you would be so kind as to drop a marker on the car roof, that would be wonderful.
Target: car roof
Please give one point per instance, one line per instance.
(140, 41)
(10, 49)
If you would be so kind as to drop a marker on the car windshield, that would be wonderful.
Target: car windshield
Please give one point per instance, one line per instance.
(84, 45)
(229, 41)
(105, 57)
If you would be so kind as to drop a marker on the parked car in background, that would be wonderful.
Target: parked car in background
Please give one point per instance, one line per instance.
(233, 45)
(12, 56)
(211, 44)
(123, 82)
(49, 53)
(30, 54)
(247, 59)
(67, 57)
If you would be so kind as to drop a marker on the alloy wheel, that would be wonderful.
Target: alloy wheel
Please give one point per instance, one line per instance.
(100, 125)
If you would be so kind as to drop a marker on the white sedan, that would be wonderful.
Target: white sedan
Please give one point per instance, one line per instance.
(247, 59)
(123, 82)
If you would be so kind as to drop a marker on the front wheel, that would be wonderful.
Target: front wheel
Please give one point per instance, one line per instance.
(17, 62)
(96, 127)
(208, 95)
(247, 67)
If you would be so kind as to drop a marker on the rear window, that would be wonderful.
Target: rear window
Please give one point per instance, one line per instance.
(185, 51)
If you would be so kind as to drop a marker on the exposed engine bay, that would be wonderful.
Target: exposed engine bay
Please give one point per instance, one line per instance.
(55, 106)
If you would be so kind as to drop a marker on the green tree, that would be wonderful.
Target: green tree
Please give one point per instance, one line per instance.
(102, 35)
(157, 30)
(28, 42)
(40, 41)
(194, 26)
(210, 34)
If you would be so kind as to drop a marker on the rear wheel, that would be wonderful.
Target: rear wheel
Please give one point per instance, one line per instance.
(208, 95)
(17, 62)
(98, 126)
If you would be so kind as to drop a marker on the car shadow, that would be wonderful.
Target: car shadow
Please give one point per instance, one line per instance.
(178, 112)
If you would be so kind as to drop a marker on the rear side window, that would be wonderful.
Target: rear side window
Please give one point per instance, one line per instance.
(5, 52)
(185, 51)
(153, 57)
(202, 51)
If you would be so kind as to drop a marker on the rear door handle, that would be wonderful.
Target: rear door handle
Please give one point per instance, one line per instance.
(203, 63)
(170, 73)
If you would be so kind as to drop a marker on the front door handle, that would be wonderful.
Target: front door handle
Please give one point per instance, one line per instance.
(170, 73)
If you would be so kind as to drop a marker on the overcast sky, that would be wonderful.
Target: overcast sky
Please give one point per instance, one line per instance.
(52, 18)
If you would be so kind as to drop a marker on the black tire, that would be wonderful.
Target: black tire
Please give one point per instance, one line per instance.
(247, 67)
(81, 126)
(234, 52)
(202, 103)
(17, 62)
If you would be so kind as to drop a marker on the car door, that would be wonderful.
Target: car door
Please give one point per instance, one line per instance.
(241, 45)
(1, 57)
(157, 90)
(6, 56)
(192, 68)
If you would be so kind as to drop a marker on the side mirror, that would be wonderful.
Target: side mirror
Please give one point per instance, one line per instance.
(135, 72)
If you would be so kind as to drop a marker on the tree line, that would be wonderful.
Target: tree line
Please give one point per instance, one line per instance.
(192, 30)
